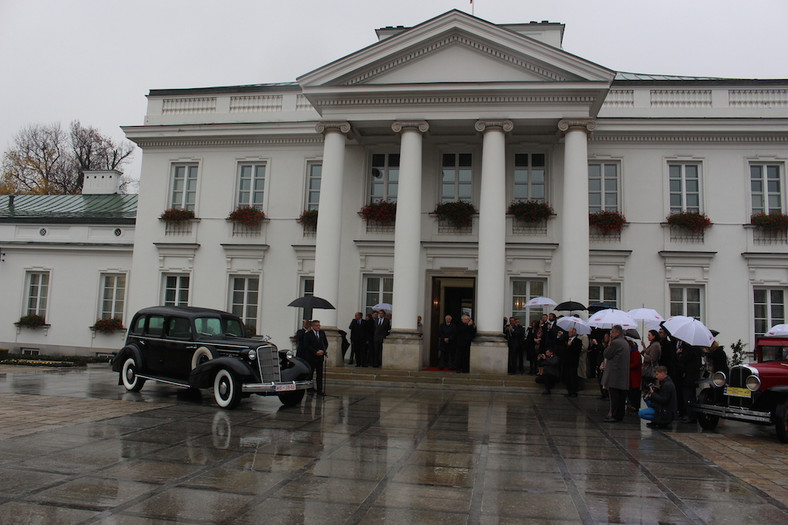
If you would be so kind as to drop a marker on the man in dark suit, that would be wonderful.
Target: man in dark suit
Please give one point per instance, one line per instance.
(369, 337)
(447, 332)
(299, 337)
(356, 329)
(315, 347)
(382, 329)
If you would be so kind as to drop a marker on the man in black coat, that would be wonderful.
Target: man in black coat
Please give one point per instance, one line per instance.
(369, 337)
(571, 360)
(356, 329)
(662, 406)
(466, 331)
(315, 347)
(447, 332)
(306, 325)
(515, 337)
(688, 363)
(382, 329)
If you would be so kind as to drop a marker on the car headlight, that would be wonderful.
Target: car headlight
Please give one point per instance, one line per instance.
(753, 383)
(290, 354)
(252, 355)
(718, 379)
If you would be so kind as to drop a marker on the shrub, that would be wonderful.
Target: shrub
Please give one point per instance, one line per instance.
(247, 215)
(738, 354)
(459, 213)
(176, 215)
(530, 211)
(308, 219)
(607, 221)
(381, 212)
(689, 220)
(107, 326)
(31, 321)
(773, 222)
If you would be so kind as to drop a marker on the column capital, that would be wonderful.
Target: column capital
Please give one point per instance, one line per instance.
(488, 125)
(586, 124)
(325, 126)
(399, 125)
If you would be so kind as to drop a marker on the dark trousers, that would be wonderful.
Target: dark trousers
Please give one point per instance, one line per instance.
(634, 397)
(317, 370)
(618, 400)
(687, 398)
(448, 357)
(377, 354)
(357, 352)
(464, 359)
(549, 382)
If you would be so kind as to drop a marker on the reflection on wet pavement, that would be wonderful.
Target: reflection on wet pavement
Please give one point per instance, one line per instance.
(84, 451)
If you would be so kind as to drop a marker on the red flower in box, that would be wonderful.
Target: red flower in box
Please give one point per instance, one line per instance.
(459, 213)
(773, 222)
(689, 220)
(530, 211)
(176, 215)
(607, 221)
(247, 215)
(381, 212)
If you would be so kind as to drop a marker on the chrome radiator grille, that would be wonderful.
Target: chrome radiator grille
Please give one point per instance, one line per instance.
(268, 363)
(738, 375)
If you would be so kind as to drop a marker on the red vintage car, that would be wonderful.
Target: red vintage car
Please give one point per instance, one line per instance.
(755, 392)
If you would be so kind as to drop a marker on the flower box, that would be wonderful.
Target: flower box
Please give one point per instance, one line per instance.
(308, 220)
(689, 220)
(176, 215)
(107, 326)
(383, 213)
(770, 222)
(458, 214)
(530, 211)
(607, 222)
(247, 216)
(31, 321)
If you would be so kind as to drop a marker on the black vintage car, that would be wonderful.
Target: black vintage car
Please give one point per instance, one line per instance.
(190, 347)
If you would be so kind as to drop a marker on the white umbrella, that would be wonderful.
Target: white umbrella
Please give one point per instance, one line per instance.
(648, 315)
(540, 301)
(611, 317)
(778, 330)
(581, 326)
(689, 330)
(382, 306)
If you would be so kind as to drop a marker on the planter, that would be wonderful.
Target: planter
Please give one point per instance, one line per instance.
(308, 220)
(31, 321)
(458, 214)
(690, 221)
(770, 222)
(176, 215)
(247, 216)
(381, 213)
(607, 222)
(530, 211)
(107, 326)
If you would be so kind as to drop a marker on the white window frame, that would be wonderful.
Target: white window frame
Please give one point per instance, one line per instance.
(682, 191)
(117, 305)
(384, 292)
(603, 191)
(179, 288)
(455, 170)
(382, 174)
(36, 293)
(600, 293)
(518, 300)
(249, 308)
(312, 193)
(529, 184)
(765, 194)
(250, 200)
(770, 306)
(179, 197)
(680, 306)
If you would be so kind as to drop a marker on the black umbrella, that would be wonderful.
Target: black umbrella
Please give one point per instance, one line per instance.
(595, 307)
(569, 306)
(310, 302)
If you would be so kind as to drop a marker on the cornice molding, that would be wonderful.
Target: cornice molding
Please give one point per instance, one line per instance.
(688, 138)
(424, 100)
(420, 125)
(490, 125)
(585, 124)
(454, 39)
(184, 142)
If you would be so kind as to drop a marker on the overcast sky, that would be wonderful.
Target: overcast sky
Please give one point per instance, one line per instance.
(95, 60)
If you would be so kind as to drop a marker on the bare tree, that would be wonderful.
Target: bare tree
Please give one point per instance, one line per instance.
(43, 159)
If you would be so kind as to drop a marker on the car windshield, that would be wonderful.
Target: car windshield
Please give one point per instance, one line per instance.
(218, 326)
(774, 353)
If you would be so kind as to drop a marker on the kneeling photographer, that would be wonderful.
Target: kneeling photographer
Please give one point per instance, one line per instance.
(661, 400)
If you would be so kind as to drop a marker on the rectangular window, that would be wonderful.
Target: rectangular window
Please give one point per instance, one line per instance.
(314, 172)
(37, 293)
(684, 188)
(456, 177)
(686, 300)
(769, 306)
(602, 186)
(251, 184)
(175, 290)
(603, 293)
(384, 179)
(113, 295)
(523, 290)
(529, 177)
(377, 290)
(244, 299)
(766, 188)
(184, 186)
(307, 287)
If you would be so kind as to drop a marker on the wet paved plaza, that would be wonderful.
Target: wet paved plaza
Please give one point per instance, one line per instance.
(76, 448)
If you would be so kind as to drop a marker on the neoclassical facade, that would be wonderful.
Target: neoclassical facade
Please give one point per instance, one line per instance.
(460, 109)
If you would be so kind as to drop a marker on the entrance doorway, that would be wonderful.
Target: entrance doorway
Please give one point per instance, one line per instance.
(454, 296)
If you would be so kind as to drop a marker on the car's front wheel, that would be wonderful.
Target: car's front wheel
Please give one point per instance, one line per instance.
(707, 421)
(781, 421)
(291, 399)
(128, 375)
(201, 355)
(226, 389)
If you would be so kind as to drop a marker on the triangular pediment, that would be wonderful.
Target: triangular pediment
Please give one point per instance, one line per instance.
(456, 48)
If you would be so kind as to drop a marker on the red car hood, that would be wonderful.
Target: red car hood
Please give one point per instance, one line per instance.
(772, 373)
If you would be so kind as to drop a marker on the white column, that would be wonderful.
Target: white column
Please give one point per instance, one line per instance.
(407, 230)
(574, 222)
(329, 219)
(491, 281)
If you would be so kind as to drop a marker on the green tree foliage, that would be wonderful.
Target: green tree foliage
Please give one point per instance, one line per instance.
(44, 159)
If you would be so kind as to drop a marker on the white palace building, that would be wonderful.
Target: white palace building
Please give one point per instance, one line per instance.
(453, 109)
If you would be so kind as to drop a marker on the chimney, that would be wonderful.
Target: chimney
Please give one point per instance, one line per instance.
(101, 182)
